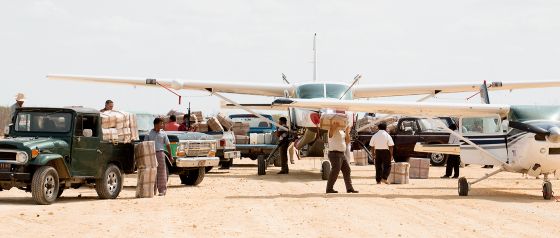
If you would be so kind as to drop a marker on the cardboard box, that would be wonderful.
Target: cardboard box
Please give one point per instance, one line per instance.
(110, 134)
(146, 183)
(253, 138)
(267, 139)
(227, 123)
(399, 173)
(360, 157)
(240, 128)
(214, 124)
(145, 155)
(419, 168)
(198, 115)
(241, 139)
(201, 127)
(328, 119)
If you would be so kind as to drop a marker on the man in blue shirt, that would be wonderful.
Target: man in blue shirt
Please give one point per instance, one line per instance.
(161, 143)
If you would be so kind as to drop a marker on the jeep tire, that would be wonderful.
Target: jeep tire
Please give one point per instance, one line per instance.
(45, 185)
(193, 177)
(110, 184)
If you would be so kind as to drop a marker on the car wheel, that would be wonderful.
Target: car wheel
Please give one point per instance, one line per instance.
(193, 177)
(437, 159)
(45, 185)
(110, 184)
(547, 190)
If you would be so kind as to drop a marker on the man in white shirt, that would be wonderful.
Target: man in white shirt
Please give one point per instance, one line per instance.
(382, 147)
(453, 161)
(339, 138)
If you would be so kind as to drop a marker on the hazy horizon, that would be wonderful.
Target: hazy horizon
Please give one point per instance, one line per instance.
(404, 42)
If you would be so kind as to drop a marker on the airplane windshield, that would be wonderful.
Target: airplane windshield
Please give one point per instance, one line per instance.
(309, 91)
(529, 113)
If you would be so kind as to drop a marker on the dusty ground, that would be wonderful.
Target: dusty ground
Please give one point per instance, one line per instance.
(240, 204)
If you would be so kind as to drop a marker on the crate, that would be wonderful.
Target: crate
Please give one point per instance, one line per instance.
(214, 124)
(360, 157)
(399, 173)
(146, 182)
(419, 168)
(328, 119)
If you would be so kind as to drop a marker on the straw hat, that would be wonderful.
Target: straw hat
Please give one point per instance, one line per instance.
(20, 97)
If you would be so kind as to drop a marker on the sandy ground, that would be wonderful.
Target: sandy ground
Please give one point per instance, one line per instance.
(238, 203)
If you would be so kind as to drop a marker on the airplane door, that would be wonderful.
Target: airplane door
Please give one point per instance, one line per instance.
(486, 133)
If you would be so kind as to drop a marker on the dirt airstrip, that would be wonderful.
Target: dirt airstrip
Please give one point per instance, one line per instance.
(238, 203)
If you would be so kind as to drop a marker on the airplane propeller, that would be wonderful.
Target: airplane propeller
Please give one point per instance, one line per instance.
(528, 128)
(552, 134)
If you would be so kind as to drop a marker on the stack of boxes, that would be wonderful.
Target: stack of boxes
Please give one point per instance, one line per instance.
(146, 163)
(119, 126)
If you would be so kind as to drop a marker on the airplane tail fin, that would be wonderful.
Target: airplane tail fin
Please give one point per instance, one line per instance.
(484, 97)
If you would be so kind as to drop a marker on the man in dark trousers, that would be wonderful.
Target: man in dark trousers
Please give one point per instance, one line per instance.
(382, 147)
(339, 139)
(453, 161)
(283, 142)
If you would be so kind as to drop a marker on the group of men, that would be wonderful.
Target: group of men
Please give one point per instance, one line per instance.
(381, 145)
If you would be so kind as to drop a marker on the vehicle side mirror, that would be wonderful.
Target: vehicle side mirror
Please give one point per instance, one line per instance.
(87, 133)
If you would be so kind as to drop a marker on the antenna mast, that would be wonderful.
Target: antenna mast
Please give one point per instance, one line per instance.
(314, 57)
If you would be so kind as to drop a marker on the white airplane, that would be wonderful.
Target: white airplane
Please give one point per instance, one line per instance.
(519, 139)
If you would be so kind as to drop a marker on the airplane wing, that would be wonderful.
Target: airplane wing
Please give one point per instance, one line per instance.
(371, 91)
(399, 108)
(268, 89)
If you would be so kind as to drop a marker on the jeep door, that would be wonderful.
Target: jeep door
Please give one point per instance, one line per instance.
(85, 146)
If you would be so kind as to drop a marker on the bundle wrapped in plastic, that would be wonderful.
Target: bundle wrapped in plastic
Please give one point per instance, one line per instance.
(327, 119)
(214, 124)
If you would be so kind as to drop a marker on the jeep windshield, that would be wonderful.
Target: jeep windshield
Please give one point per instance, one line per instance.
(43, 122)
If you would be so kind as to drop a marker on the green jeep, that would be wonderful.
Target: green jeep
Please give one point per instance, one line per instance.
(52, 149)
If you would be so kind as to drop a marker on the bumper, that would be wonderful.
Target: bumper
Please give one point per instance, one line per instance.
(14, 176)
(195, 162)
(232, 155)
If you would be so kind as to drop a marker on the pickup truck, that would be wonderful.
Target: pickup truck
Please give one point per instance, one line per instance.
(408, 132)
(52, 149)
(226, 149)
(258, 126)
(191, 150)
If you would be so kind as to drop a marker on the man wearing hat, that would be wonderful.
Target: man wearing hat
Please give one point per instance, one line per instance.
(20, 99)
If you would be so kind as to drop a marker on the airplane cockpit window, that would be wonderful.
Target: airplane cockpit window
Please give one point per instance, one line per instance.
(337, 90)
(481, 125)
(311, 91)
(318, 90)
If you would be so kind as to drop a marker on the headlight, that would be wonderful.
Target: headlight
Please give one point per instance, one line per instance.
(181, 147)
(22, 157)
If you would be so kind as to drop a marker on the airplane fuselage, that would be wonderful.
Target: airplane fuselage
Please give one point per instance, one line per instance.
(306, 118)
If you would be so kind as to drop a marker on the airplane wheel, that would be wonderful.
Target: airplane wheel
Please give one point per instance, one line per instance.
(463, 186)
(547, 190)
(325, 170)
(261, 164)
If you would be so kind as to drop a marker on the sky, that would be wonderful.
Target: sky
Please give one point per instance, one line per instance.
(404, 42)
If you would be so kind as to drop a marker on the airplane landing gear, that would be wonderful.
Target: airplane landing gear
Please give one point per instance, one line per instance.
(547, 190)
(325, 169)
(463, 186)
